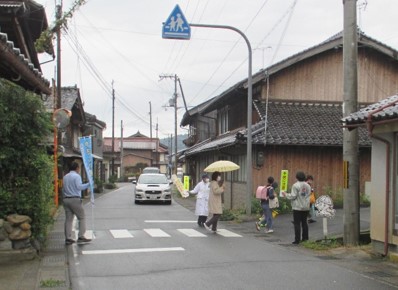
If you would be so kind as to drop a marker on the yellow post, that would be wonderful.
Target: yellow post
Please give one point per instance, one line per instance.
(284, 180)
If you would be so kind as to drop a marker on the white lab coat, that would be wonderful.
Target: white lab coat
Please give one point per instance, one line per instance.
(202, 190)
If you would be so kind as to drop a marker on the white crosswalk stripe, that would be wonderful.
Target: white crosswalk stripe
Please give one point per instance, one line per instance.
(157, 233)
(121, 234)
(191, 233)
(227, 233)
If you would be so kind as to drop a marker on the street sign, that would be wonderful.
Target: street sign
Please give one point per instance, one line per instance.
(284, 180)
(176, 26)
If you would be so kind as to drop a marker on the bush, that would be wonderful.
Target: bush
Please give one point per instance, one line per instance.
(99, 186)
(284, 206)
(26, 171)
(110, 185)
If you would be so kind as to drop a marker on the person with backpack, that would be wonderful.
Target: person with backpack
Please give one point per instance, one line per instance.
(269, 194)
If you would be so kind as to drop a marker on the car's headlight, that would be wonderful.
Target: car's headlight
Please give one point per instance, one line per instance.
(139, 191)
(167, 190)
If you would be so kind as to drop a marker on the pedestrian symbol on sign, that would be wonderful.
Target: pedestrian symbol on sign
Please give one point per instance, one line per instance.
(176, 26)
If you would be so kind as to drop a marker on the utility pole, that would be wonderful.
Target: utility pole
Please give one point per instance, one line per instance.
(175, 125)
(121, 149)
(171, 151)
(175, 117)
(150, 120)
(350, 138)
(157, 128)
(113, 130)
(58, 15)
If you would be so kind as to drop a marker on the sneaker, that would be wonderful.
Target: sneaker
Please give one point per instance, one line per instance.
(258, 227)
(207, 227)
(269, 231)
(83, 240)
(69, 242)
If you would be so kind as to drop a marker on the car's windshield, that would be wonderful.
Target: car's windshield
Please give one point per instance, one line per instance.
(157, 179)
(151, 170)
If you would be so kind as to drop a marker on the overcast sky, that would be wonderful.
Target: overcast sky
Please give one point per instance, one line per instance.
(121, 41)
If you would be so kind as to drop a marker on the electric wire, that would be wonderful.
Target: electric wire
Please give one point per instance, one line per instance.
(289, 11)
(78, 49)
(229, 52)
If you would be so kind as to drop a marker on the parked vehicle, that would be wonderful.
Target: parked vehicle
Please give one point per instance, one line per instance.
(151, 170)
(152, 187)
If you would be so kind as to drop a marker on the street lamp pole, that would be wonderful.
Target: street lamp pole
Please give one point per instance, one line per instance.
(249, 112)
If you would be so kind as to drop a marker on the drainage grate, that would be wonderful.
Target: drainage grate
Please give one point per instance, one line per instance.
(53, 261)
(56, 236)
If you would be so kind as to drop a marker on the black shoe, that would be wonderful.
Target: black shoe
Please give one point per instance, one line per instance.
(69, 242)
(295, 243)
(83, 240)
(311, 221)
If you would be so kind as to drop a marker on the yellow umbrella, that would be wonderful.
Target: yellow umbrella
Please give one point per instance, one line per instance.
(222, 166)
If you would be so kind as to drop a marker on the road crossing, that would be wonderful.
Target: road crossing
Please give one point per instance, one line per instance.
(159, 233)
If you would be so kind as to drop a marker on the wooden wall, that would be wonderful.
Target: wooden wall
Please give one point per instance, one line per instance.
(324, 163)
(321, 78)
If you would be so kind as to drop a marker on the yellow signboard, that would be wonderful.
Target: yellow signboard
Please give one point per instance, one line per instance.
(177, 182)
(186, 182)
(284, 180)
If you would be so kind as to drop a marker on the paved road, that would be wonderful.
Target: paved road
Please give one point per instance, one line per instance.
(160, 247)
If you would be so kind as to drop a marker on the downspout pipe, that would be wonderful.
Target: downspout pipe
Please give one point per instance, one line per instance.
(370, 126)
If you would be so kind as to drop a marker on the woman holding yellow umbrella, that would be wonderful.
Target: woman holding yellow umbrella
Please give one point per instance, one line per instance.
(215, 202)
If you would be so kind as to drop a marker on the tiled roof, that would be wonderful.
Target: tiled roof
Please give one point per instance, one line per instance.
(304, 123)
(22, 59)
(69, 96)
(386, 109)
(213, 144)
(290, 123)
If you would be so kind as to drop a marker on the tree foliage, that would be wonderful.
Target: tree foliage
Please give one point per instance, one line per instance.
(26, 176)
(44, 42)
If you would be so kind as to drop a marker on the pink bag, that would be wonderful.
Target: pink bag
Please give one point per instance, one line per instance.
(261, 192)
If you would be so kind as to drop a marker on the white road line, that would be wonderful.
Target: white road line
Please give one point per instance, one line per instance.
(121, 234)
(226, 233)
(157, 233)
(169, 221)
(90, 234)
(123, 251)
(191, 233)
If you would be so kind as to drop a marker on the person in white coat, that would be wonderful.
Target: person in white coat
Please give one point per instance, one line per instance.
(202, 190)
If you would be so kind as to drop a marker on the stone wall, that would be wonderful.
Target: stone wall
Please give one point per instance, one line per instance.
(15, 232)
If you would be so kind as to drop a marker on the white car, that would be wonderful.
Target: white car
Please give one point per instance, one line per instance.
(152, 187)
(151, 170)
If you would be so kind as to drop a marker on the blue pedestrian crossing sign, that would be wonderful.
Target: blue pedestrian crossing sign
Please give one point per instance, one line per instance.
(176, 26)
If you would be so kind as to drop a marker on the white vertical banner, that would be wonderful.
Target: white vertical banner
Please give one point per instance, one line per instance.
(87, 156)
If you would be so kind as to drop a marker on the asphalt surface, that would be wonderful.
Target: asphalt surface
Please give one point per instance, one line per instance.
(49, 269)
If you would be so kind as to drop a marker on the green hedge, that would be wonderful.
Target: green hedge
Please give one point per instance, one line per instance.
(26, 170)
